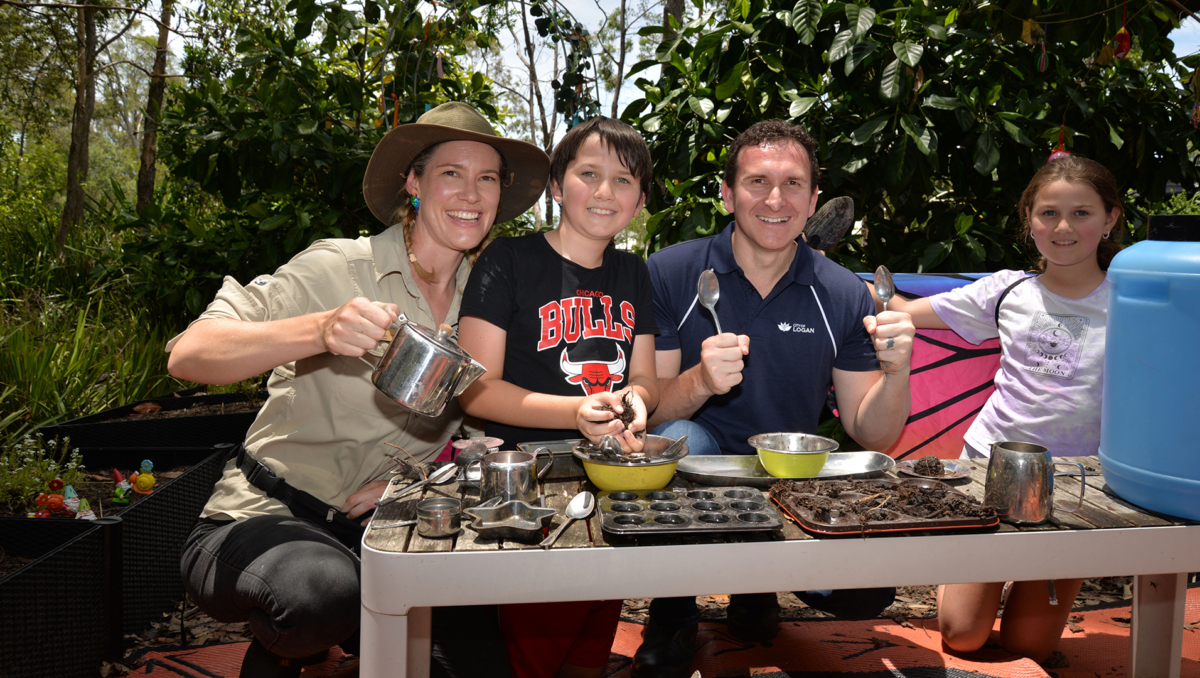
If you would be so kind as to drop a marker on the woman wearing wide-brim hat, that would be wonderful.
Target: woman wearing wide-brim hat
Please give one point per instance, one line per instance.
(319, 440)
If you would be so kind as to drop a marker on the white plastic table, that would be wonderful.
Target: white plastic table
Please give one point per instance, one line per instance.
(403, 575)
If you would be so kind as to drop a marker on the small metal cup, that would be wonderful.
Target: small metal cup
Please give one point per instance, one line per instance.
(509, 475)
(438, 517)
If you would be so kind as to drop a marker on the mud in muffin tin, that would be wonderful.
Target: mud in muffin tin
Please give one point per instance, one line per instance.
(717, 509)
(869, 506)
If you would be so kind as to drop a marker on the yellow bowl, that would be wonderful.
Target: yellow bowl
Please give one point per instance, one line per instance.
(606, 477)
(793, 455)
(652, 473)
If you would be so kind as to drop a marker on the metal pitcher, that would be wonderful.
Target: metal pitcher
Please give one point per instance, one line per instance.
(422, 368)
(1020, 482)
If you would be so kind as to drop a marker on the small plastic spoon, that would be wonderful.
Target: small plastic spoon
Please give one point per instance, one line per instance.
(443, 475)
(709, 292)
(580, 507)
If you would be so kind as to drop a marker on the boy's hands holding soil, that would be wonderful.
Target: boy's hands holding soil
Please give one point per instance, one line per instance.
(621, 414)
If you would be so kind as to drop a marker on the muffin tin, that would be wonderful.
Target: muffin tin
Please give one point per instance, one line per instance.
(718, 509)
(823, 506)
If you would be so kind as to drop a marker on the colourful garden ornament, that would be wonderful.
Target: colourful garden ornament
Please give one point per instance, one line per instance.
(145, 481)
(1043, 62)
(85, 511)
(1059, 152)
(1121, 41)
(121, 491)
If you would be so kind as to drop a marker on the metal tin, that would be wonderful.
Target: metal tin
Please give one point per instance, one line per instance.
(837, 521)
(438, 517)
(566, 466)
(745, 469)
(510, 520)
(729, 509)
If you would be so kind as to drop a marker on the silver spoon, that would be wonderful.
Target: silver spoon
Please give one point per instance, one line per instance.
(709, 292)
(580, 507)
(443, 475)
(885, 288)
(673, 448)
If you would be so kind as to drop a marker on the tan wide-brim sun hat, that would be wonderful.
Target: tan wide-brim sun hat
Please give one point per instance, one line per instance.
(384, 180)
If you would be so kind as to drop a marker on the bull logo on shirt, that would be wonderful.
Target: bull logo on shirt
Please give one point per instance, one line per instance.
(594, 376)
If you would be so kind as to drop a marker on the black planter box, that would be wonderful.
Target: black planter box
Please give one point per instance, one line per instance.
(109, 429)
(58, 603)
(53, 608)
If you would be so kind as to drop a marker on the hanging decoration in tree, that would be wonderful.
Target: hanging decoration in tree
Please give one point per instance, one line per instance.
(1043, 62)
(1196, 98)
(1059, 152)
(1121, 41)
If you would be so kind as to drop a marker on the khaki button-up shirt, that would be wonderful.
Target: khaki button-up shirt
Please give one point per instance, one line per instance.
(324, 424)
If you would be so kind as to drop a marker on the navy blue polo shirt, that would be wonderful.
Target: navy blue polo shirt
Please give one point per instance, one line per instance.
(809, 324)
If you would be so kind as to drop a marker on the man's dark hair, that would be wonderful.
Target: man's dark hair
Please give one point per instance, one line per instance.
(629, 146)
(767, 131)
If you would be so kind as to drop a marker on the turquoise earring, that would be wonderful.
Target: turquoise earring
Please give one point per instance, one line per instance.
(416, 203)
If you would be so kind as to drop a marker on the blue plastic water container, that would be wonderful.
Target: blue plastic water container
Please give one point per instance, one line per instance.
(1150, 427)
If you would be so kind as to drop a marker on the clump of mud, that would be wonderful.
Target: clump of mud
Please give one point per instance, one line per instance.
(929, 466)
(626, 416)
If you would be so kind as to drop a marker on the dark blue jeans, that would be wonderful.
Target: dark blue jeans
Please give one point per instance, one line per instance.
(298, 587)
(850, 604)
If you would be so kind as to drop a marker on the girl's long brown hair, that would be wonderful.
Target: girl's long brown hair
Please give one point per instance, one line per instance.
(1073, 169)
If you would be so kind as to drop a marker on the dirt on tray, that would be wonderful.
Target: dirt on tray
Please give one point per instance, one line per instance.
(877, 501)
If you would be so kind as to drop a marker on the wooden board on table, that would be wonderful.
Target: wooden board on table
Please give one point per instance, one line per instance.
(393, 538)
(1099, 495)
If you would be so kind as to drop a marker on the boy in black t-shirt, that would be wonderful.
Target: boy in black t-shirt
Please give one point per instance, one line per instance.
(564, 324)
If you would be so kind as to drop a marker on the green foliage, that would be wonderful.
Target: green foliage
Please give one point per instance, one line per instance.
(28, 465)
(268, 155)
(65, 361)
(931, 114)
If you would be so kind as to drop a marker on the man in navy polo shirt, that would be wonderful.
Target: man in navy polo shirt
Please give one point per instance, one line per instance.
(811, 324)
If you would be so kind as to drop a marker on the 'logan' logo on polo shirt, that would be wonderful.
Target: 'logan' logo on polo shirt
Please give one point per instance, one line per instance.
(796, 327)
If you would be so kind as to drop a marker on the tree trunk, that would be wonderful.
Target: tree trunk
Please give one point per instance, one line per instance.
(154, 99)
(621, 61)
(672, 8)
(81, 124)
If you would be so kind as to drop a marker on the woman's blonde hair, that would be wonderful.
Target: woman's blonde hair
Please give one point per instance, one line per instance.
(1074, 169)
(407, 216)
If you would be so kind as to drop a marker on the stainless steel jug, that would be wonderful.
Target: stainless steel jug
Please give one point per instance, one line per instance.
(422, 369)
(1020, 482)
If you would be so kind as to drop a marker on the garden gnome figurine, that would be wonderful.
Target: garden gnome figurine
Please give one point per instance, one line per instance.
(145, 482)
(70, 499)
(121, 492)
(85, 511)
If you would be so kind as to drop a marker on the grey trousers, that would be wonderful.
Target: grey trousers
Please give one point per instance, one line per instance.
(298, 587)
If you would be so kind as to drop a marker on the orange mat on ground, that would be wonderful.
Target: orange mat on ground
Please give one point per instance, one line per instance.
(812, 649)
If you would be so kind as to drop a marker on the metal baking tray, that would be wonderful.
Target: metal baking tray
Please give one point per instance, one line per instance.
(745, 469)
(510, 520)
(837, 520)
(566, 466)
(728, 509)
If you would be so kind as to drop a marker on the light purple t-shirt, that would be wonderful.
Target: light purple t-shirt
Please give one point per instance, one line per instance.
(1051, 377)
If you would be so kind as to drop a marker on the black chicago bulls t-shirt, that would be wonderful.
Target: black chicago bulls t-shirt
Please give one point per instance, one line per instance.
(570, 329)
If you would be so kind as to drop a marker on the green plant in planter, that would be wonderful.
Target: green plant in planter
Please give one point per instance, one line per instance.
(28, 466)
